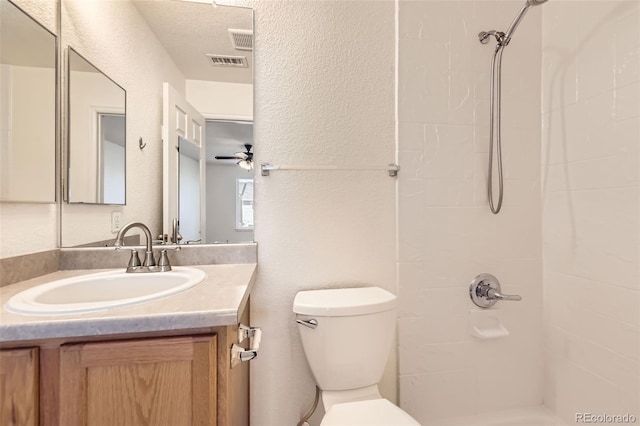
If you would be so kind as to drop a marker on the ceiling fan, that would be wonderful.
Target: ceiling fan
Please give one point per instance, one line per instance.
(245, 159)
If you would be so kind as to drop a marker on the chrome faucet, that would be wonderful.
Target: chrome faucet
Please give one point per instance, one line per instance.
(149, 264)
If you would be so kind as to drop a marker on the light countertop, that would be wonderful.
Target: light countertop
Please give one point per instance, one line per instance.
(218, 301)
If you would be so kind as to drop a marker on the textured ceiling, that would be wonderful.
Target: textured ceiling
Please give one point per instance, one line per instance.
(188, 31)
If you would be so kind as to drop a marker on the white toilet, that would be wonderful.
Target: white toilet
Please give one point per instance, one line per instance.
(347, 335)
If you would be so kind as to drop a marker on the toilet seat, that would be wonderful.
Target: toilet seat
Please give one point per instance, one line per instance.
(373, 412)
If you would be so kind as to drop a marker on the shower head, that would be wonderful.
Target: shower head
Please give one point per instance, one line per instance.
(516, 22)
(503, 39)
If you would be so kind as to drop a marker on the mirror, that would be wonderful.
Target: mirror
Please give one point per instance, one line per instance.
(204, 52)
(189, 192)
(96, 135)
(229, 184)
(27, 108)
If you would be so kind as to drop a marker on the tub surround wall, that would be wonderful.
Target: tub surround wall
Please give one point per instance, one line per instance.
(446, 233)
(591, 134)
(325, 80)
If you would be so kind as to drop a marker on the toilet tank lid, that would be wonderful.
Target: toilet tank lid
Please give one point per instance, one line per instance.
(343, 301)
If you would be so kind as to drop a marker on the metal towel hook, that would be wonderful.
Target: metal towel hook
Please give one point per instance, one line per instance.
(141, 144)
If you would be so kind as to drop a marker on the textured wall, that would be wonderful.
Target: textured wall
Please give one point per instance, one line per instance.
(324, 85)
(114, 37)
(591, 136)
(30, 228)
(28, 168)
(446, 233)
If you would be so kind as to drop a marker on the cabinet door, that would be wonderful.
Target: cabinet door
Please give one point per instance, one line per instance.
(19, 387)
(167, 381)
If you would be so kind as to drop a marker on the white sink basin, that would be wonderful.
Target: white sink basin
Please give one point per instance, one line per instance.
(104, 290)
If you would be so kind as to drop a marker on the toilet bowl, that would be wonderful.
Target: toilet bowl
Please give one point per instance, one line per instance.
(347, 335)
(375, 412)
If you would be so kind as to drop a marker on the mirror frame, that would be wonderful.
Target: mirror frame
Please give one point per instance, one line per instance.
(66, 180)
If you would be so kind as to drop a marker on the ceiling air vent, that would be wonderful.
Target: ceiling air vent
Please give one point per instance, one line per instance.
(241, 39)
(227, 61)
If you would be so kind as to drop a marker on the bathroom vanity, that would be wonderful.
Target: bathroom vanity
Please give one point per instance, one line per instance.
(165, 361)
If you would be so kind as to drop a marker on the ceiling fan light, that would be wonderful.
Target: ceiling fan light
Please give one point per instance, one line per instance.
(247, 165)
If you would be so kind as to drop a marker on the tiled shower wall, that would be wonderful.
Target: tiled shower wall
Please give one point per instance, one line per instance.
(591, 136)
(447, 235)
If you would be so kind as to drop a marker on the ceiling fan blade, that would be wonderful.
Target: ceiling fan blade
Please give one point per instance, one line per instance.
(241, 155)
(223, 157)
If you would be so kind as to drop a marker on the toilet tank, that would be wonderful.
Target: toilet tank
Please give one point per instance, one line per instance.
(351, 343)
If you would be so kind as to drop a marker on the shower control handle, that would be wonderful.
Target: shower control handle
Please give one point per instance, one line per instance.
(485, 291)
(493, 294)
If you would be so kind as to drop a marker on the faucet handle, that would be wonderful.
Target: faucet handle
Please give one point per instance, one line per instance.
(164, 264)
(134, 260)
(149, 259)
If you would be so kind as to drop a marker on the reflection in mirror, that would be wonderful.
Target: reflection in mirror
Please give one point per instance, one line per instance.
(183, 130)
(143, 44)
(27, 108)
(244, 204)
(216, 91)
(97, 137)
(111, 151)
(229, 185)
(189, 192)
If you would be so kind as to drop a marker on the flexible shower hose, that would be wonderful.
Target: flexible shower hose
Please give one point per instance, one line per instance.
(495, 130)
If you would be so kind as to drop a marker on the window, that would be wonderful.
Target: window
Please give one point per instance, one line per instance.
(244, 204)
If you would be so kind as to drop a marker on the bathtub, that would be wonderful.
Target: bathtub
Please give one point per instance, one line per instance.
(530, 416)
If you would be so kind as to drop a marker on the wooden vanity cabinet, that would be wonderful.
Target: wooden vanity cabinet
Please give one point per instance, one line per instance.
(19, 387)
(167, 381)
(146, 381)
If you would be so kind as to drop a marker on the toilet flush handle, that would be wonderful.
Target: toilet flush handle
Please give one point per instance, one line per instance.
(308, 323)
